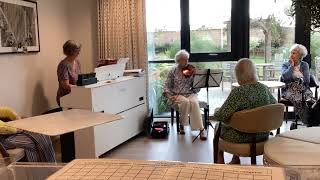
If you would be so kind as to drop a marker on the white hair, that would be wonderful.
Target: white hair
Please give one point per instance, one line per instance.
(245, 71)
(301, 49)
(181, 53)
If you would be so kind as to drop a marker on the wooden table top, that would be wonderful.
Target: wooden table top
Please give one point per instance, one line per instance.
(290, 152)
(311, 135)
(138, 169)
(269, 84)
(63, 122)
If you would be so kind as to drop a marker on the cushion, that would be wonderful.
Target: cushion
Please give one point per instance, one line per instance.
(238, 149)
(5, 129)
(7, 114)
(15, 154)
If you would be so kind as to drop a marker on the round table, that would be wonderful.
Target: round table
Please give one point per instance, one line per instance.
(298, 147)
(269, 84)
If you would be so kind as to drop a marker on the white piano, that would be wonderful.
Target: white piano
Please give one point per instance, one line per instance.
(125, 96)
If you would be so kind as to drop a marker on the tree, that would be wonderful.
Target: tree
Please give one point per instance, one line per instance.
(272, 31)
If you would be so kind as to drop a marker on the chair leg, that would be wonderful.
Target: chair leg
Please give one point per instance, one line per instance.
(172, 116)
(216, 144)
(253, 151)
(286, 114)
(206, 118)
(178, 121)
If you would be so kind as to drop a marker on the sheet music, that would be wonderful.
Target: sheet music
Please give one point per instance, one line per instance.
(149, 170)
(214, 79)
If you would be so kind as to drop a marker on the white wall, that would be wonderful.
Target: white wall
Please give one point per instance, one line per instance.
(83, 28)
(29, 82)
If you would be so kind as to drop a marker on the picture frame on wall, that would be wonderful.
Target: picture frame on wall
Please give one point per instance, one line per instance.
(19, 28)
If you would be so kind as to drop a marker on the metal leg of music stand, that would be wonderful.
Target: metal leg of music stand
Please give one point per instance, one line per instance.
(196, 137)
(206, 122)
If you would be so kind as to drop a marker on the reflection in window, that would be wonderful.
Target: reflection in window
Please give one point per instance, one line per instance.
(271, 35)
(315, 53)
(163, 29)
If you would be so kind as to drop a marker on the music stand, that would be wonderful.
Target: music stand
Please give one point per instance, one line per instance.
(204, 79)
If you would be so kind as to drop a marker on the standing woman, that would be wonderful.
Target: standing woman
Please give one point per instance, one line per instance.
(68, 69)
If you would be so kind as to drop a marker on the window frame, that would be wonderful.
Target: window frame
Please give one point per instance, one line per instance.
(239, 32)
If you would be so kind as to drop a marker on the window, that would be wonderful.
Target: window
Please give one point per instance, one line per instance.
(163, 29)
(272, 33)
(315, 53)
(210, 26)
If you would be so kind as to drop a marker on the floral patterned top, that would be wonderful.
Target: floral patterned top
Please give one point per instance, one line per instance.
(65, 71)
(241, 98)
(178, 84)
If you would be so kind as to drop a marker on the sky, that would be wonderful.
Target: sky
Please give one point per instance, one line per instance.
(165, 14)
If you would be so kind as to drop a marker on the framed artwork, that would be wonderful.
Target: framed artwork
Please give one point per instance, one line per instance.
(19, 29)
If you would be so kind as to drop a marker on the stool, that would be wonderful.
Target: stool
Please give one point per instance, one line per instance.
(202, 104)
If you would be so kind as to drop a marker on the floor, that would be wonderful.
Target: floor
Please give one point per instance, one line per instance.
(175, 148)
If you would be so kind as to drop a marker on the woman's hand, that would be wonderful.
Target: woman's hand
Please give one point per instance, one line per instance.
(291, 62)
(172, 98)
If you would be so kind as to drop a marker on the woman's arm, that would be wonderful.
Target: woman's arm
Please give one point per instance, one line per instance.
(168, 85)
(306, 73)
(63, 77)
(286, 73)
(66, 85)
(229, 107)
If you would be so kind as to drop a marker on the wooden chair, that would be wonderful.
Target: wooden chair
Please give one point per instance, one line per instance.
(257, 120)
(203, 105)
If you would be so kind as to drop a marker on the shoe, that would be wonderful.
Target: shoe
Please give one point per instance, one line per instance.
(182, 129)
(203, 135)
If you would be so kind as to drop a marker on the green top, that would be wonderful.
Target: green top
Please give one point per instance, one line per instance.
(241, 98)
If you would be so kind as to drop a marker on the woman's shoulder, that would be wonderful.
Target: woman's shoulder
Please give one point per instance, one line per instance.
(286, 62)
(247, 87)
(63, 62)
(304, 64)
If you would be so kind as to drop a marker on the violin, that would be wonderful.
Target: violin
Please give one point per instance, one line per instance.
(188, 71)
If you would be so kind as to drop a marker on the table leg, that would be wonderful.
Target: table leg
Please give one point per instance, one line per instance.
(67, 147)
(264, 73)
(278, 94)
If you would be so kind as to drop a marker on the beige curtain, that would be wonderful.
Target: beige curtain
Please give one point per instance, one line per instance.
(122, 31)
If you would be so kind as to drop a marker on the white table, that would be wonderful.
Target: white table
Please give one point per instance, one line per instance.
(269, 84)
(298, 147)
(64, 123)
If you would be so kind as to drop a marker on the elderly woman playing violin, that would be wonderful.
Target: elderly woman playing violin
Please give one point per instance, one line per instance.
(178, 89)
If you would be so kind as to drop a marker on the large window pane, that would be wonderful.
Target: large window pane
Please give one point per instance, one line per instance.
(163, 28)
(210, 26)
(271, 35)
(158, 73)
(315, 53)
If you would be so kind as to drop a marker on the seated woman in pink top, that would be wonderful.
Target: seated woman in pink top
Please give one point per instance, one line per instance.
(68, 69)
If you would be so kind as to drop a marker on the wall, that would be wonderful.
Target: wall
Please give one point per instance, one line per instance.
(29, 82)
(83, 28)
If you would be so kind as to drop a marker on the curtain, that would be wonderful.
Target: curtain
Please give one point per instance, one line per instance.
(122, 31)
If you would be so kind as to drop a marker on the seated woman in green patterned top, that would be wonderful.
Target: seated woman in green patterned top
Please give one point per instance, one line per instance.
(250, 94)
